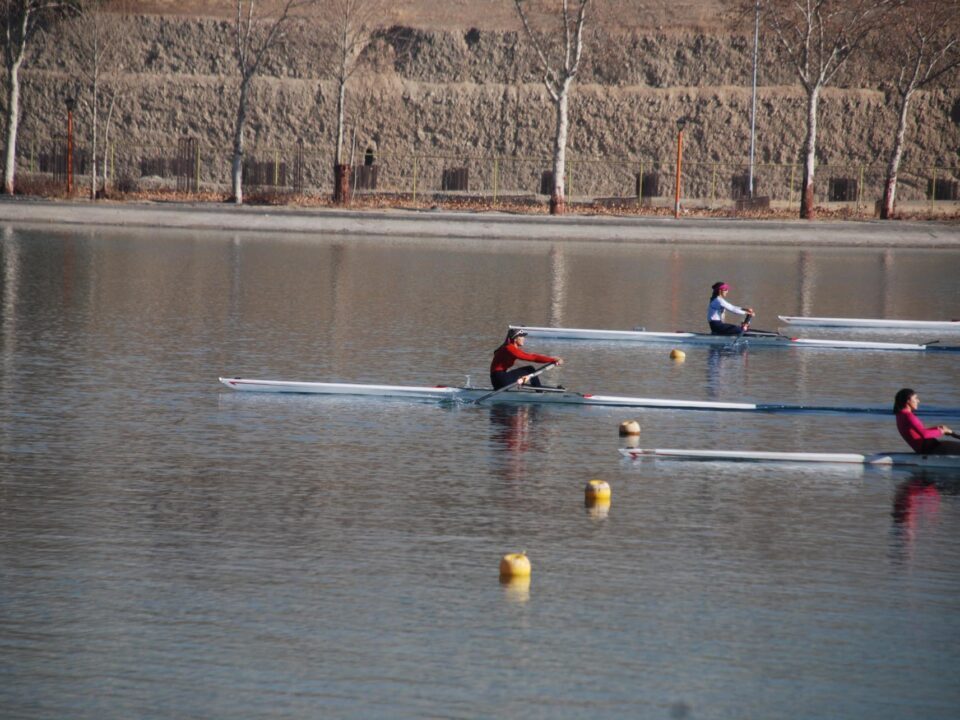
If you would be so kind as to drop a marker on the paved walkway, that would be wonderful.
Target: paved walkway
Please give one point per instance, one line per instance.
(500, 226)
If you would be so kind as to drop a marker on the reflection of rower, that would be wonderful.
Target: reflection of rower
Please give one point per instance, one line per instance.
(715, 312)
(918, 495)
(922, 439)
(507, 354)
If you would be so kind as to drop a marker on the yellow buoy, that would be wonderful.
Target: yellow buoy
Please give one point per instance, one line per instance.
(514, 565)
(596, 491)
(629, 427)
(678, 355)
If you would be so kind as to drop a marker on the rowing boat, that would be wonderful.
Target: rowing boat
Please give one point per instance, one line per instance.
(522, 394)
(871, 323)
(893, 458)
(748, 338)
(469, 395)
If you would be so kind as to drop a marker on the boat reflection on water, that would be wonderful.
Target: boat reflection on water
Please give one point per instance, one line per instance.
(722, 362)
(916, 506)
(511, 432)
(510, 425)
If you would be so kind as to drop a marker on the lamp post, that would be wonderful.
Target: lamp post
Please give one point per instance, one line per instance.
(753, 104)
(71, 103)
(676, 203)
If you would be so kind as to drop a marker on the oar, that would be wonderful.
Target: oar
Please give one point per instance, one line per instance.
(514, 383)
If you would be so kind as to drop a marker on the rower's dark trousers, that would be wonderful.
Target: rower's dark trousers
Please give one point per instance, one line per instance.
(722, 328)
(502, 378)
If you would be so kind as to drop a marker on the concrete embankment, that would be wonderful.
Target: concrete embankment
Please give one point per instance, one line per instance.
(487, 226)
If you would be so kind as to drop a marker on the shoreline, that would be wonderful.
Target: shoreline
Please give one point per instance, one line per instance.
(439, 223)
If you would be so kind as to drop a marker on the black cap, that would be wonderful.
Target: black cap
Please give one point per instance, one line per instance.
(516, 332)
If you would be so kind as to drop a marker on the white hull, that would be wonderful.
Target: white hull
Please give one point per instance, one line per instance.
(895, 458)
(688, 338)
(871, 323)
(468, 395)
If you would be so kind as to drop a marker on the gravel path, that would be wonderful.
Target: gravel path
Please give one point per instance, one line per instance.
(500, 226)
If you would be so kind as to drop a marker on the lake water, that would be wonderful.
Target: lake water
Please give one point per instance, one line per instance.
(171, 549)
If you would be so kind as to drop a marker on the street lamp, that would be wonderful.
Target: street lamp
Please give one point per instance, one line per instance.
(753, 103)
(676, 203)
(71, 104)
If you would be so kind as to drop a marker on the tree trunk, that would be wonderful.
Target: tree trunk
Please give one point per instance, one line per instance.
(341, 184)
(888, 203)
(237, 168)
(341, 96)
(558, 205)
(13, 122)
(810, 155)
(106, 143)
(93, 158)
(341, 172)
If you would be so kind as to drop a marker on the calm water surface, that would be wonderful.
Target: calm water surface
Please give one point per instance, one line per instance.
(169, 549)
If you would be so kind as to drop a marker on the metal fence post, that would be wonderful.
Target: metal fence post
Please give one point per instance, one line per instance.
(713, 184)
(196, 187)
(276, 168)
(933, 187)
(860, 190)
(414, 178)
(793, 170)
(496, 176)
(568, 191)
(640, 185)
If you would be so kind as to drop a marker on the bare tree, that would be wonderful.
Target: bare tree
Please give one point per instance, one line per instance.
(22, 19)
(558, 52)
(926, 48)
(101, 41)
(818, 37)
(349, 26)
(254, 38)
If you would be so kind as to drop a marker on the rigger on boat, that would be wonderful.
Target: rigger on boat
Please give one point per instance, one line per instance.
(750, 338)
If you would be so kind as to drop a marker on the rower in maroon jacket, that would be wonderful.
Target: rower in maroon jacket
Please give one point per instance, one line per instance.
(923, 440)
(508, 353)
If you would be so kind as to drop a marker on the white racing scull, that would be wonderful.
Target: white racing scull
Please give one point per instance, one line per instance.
(441, 393)
(892, 458)
(871, 323)
(750, 339)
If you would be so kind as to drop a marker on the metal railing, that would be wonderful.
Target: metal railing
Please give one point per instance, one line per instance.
(191, 166)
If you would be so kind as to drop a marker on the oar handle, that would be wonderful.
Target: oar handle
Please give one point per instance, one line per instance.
(515, 382)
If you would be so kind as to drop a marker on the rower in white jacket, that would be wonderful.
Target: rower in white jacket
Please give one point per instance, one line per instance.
(719, 304)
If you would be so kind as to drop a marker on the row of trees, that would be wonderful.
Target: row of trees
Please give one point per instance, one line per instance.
(919, 41)
(100, 37)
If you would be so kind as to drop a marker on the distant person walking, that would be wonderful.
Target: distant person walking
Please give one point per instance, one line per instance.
(922, 439)
(715, 312)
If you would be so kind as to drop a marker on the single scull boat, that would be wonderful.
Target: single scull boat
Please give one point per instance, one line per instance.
(893, 458)
(750, 339)
(464, 395)
(871, 323)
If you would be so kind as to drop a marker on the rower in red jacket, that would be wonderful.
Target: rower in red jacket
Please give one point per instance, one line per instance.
(922, 439)
(508, 353)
